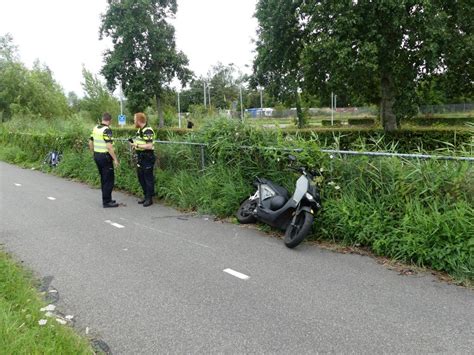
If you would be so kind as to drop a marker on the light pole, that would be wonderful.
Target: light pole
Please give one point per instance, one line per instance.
(179, 112)
(121, 99)
(260, 89)
(241, 105)
(205, 94)
(209, 87)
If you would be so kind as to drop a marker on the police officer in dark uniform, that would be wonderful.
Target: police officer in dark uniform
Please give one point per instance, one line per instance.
(101, 142)
(143, 145)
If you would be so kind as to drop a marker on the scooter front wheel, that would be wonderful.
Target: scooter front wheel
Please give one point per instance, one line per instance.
(299, 229)
(245, 212)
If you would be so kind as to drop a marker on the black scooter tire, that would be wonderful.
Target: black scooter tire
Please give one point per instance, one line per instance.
(243, 215)
(294, 235)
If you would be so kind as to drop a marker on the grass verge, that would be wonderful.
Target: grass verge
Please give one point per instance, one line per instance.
(20, 316)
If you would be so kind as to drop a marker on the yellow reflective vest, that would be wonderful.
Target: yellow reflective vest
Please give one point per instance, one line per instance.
(98, 134)
(144, 135)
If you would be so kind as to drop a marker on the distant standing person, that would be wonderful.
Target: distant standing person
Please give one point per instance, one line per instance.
(143, 145)
(101, 143)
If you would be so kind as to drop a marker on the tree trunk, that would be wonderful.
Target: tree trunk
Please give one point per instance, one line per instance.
(389, 119)
(159, 109)
(299, 112)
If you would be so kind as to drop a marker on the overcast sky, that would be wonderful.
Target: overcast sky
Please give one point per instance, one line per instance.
(64, 34)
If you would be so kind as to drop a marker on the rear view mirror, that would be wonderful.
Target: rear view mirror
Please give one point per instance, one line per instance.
(291, 158)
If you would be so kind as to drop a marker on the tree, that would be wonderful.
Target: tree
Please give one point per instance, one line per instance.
(279, 46)
(27, 92)
(97, 99)
(379, 51)
(8, 50)
(457, 74)
(42, 95)
(223, 83)
(73, 101)
(366, 51)
(144, 59)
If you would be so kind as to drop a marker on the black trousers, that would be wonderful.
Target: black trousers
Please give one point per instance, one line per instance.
(145, 165)
(107, 176)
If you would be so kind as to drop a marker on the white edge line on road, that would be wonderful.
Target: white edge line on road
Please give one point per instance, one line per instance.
(237, 274)
(116, 225)
(51, 198)
(17, 184)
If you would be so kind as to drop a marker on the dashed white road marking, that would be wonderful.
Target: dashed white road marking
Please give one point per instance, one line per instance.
(237, 274)
(198, 244)
(116, 225)
(51, 198)
(17, 184)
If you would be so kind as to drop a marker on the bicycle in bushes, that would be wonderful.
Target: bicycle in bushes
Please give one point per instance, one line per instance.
(51, 159)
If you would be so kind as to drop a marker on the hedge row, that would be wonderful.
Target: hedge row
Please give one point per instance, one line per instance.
(361, 121)
(405, 140)
(441, 121)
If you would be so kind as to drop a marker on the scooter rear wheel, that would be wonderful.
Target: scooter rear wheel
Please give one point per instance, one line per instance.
(297, 231)
(245, 212)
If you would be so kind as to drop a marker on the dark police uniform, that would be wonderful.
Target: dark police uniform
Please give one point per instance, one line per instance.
(101, 135)
(145, 161)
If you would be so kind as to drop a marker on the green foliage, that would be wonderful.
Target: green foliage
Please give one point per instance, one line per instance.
(331, 123)
(439, 121)
(407, 140)
(279, 46)
(30, 92)
(144, 59)
(383, 53)
(224, 86)
(27, 92)
(20, 306)
(97, 99)
(416, 212)
(8, 50)
(301, 116)
(197, 112)
(361, 121)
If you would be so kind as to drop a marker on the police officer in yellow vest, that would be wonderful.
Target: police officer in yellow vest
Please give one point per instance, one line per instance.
(104, 155)
(143, 145)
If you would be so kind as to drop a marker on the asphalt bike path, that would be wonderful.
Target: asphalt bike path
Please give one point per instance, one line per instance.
(157, 280)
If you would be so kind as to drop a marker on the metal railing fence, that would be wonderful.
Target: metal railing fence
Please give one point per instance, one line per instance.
(332, 152)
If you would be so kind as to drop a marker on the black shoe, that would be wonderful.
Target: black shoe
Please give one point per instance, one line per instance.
(110, 204)
(147, 203)
(141, 202)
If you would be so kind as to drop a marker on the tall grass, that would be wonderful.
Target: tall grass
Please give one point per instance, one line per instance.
(421, 212)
